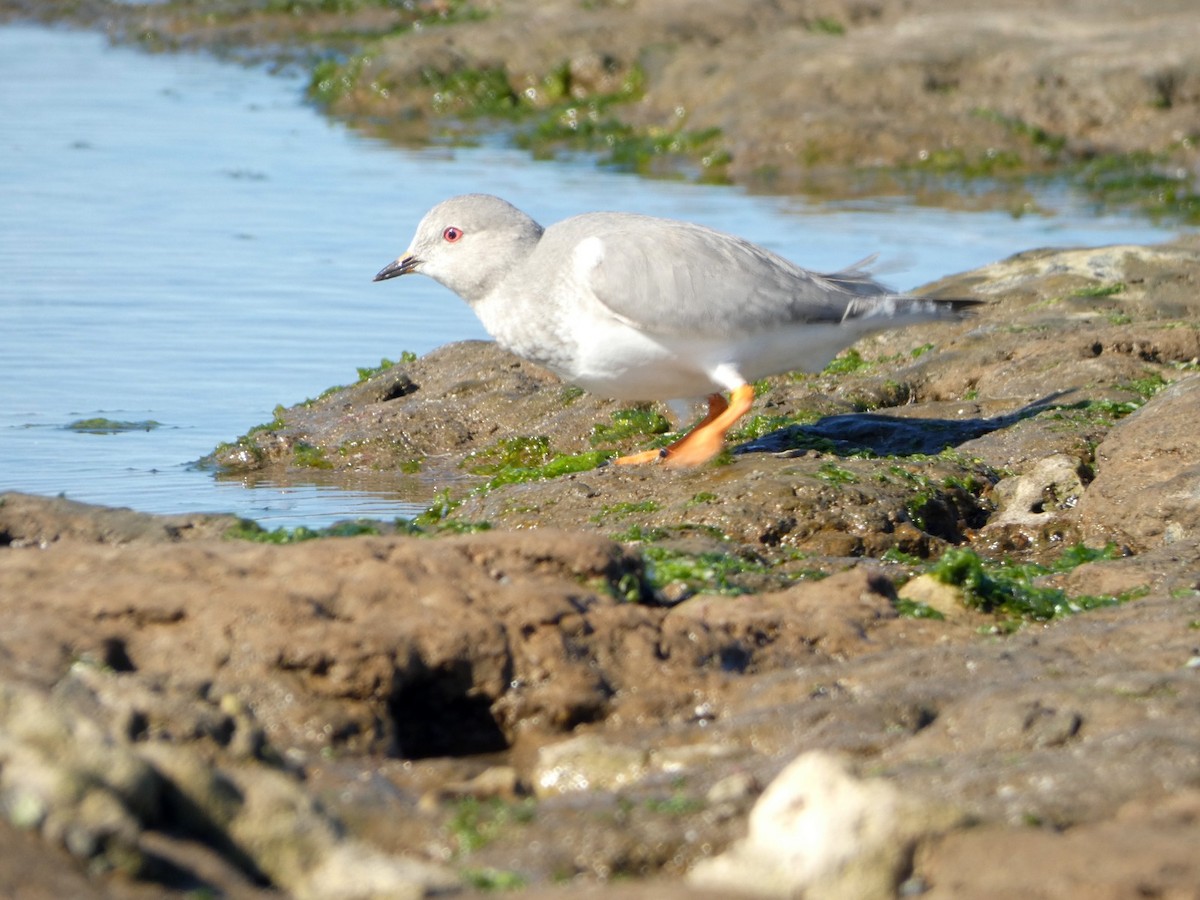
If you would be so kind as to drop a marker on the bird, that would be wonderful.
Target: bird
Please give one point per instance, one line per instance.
(641, 308)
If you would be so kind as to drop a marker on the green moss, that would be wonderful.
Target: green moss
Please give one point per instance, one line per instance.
(1143, 180)
(441, 507)
(309, 456)
(1100, 412)
(638, 151)
(641, 534)
(914, 609)
(1146, 386)
(555, 467)
(677, 803)
(588, 125)
(1010, 589)
(622, 510)
(831, 473)
(1052, 145)
(247, 530)
(277, 423)
(629, 423)
(1100, 290)
(918, 352)
(488, 879)
(367, 372)
(958, 162)
(510, 453)
(471, 92)
(917, 506)
(826, 25)
(710, 571)
(845, 363)
(476, 823)
(569, 394)
(893, 555)
(332, 79)
(755, 426)
(100, 425)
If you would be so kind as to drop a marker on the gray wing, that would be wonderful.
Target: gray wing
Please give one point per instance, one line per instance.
(677, 278)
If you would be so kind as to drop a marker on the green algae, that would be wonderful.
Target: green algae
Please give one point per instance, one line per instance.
(366, 373)
(846, 362)
(629, 423)
(510, 453)
(709, 571)
(248, 530)
(475, 823)
(101, 425)
(1012, 590)
(1142, 180)
(625, 509)
(309, 456)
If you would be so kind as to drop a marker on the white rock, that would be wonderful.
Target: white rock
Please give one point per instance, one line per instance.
(820, 832)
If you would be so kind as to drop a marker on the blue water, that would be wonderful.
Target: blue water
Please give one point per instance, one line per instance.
(186, 241)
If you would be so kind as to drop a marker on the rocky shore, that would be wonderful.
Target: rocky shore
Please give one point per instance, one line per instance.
(930, 628)
(954, 104)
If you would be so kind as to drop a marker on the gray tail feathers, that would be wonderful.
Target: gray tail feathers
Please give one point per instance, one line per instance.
(857, 280)
(900, 309)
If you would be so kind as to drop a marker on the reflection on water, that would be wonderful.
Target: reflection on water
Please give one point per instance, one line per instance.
(185, 241)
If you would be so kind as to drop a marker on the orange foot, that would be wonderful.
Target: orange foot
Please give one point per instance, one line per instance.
(704, 441)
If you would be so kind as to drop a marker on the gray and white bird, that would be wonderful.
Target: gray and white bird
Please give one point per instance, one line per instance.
(635, 307)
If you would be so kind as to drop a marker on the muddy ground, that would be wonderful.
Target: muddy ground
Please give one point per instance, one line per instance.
(930, 628)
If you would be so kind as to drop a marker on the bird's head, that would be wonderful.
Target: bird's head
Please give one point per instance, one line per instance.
(468, 244)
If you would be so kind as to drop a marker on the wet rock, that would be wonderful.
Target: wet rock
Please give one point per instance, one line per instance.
(457, 399)
(27, 521)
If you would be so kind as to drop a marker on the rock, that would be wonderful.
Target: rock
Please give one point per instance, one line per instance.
(588, 762)
(819, 831)
(62, 776)
(945, 598)
(1050, 488)
(36, 521)
(353, 871)
(1054, 864)
(834, 616)
(273, 825)
(1147, 486)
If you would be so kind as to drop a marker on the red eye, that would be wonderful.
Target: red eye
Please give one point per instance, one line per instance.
(452, 234)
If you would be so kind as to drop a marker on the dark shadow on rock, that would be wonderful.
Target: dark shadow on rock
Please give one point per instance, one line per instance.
(440, 715)
(884, 435)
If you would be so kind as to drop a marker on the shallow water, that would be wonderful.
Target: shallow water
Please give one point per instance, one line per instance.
(184, 241)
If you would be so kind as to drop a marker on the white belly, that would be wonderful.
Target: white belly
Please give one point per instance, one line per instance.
(614, 360)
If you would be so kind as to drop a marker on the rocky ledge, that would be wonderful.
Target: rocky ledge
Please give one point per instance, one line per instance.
(930, 628)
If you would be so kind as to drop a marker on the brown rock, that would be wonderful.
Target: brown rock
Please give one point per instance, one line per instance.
(1147, 486)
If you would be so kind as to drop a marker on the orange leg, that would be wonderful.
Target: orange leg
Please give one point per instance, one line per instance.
(706, 439)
